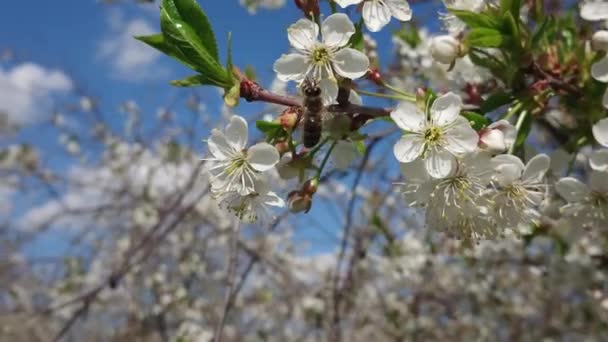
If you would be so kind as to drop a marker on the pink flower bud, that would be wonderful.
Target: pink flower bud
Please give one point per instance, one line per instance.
(497, 137)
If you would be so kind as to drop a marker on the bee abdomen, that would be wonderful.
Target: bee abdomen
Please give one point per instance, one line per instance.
(312, 131)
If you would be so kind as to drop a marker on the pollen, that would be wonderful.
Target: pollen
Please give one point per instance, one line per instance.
(433, 135)
(320, 56)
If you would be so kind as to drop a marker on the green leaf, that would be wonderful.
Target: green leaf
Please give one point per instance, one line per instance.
(477, 20)
(191, 13)
(510, 6)
(360, 146)
(541, 30)
(524, 126)
(356, 40)
(229, 60)
(193, 81)
(495, 101)
(267, 126)
(476, 120)
(250, 72)
(158, 42)
(485, 38)
(181, 36)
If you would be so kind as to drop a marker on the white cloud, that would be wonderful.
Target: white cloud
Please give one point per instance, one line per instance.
(26, 91)
(129, 58)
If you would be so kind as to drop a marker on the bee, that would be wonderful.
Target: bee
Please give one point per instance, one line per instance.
(313, 112)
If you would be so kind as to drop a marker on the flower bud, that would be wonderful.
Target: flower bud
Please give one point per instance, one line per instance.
(497, 137)
(445, 49)
(599, 41)
(310, 186)
(297, 202)
(289, 118)
(282, 147)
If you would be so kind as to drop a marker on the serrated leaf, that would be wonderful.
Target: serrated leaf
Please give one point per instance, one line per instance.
(193, 81)
(192, 14)
(477, 20)
(476, 120)
(495, 101)
(158, 42)
(229, 60)
(181, 36)
(485, 38)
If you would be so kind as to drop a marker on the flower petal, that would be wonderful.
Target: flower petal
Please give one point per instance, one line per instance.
(236, 132)
(303, 34)
(594, 10)
(600, 132)
(272, 199)
(446, 109)
(400, 8)
(571, 189)
(536, 168)
(597, 183)
(329, 90)
(408, 118)
(262, 156)
(508, 168)
(414, 172)
(350, 63)
(291, 67)
(461, 137)
(376, 15)
(440, 163)
(598, 160)
(346, 3)
(599, 70)
(337, 30)
(408, 148)
(219, 146)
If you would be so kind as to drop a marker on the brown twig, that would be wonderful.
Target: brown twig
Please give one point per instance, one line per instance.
(335, 330)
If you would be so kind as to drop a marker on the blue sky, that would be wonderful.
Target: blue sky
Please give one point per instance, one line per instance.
(90, 46)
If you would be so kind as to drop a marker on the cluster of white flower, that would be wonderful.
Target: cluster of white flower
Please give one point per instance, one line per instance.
(236, 171)
(449, 169)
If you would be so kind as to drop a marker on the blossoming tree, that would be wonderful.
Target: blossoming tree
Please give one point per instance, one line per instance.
(468, 176)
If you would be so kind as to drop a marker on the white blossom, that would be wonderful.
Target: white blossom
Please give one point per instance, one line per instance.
(518, 189)
(321, 59)
(598, 160)
(587, 205)
(594, 10)
(599, 71)
(378, 13)
(456, 204)
(234, 167)
(438, 138)
(600, 132)
(254, 206)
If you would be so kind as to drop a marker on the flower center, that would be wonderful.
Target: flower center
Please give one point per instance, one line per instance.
(432, 135)
(320, 55)
(237, 162)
